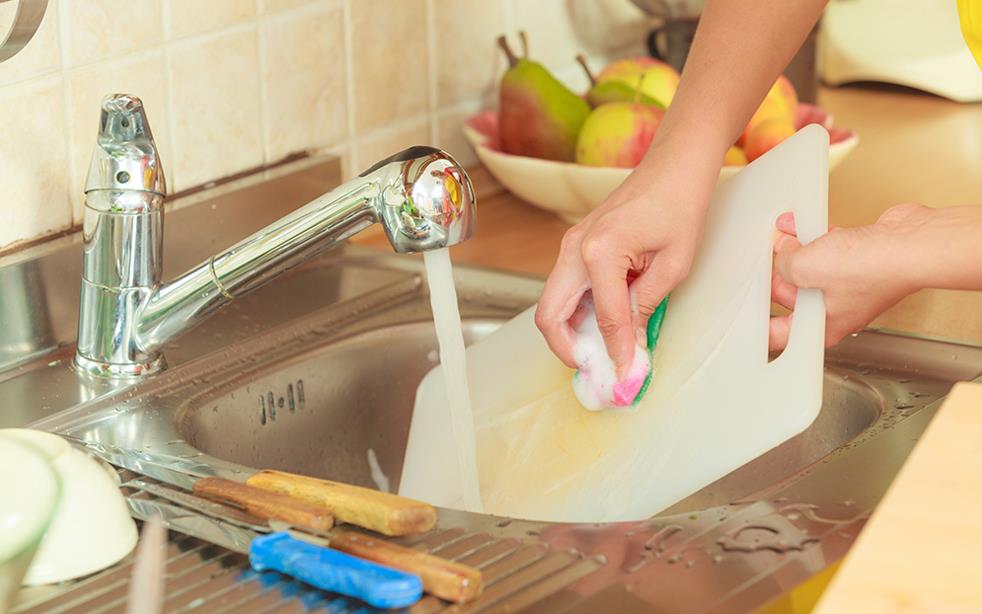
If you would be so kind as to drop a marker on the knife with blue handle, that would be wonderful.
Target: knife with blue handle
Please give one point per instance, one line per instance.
(335, 571)
(320, 567)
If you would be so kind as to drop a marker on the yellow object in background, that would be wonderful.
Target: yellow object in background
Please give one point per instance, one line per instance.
(970, 17)
(803, 598)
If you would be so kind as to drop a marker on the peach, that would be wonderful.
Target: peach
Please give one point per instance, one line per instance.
(765, 136)
(658, 79)
(734, 157)
(781, 102)
(617, 134)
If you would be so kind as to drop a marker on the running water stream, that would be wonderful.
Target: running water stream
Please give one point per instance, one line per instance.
(450, 337)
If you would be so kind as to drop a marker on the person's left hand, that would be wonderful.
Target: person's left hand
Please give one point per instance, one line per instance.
(858, 270)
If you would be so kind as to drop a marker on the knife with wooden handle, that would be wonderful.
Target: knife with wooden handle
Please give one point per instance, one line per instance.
(265, 504)
(384, 513)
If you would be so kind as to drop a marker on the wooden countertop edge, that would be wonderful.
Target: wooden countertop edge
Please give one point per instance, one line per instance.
(921, 550)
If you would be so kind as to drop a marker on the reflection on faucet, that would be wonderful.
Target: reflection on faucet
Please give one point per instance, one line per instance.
(422, 197)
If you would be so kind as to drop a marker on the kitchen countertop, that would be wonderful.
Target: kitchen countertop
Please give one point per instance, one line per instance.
(919, 552)
(913, 148)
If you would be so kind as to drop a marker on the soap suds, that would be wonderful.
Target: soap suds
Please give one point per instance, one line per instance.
(595, 382)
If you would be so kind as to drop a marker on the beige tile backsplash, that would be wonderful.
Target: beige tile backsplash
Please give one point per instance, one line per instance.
(230, 84)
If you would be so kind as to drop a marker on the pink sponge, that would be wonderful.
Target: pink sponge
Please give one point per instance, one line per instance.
(595, 384)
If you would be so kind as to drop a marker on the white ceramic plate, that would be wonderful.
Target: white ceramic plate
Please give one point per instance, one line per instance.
(573, 190)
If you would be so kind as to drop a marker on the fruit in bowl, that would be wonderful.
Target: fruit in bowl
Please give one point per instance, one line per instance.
(539, 116)
(613, 136)
(617, 134)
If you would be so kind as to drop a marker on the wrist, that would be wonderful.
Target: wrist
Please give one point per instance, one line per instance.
(908, 246)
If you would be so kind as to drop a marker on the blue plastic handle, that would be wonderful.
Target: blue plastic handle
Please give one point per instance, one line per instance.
(335, 571)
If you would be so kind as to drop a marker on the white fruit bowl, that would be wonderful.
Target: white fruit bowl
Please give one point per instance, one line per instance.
(572, 190)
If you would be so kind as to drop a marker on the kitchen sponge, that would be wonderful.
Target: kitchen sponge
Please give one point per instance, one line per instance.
(595, 382)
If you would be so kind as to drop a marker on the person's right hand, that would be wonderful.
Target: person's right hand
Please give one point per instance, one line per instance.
(644, 235)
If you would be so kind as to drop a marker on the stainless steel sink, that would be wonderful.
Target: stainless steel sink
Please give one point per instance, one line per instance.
(327, 411)
(315, 371)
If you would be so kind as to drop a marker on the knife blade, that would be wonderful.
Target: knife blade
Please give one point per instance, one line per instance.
(323, 568)
(195, 477)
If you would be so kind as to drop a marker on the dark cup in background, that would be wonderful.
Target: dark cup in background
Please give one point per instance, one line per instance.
(671, 41)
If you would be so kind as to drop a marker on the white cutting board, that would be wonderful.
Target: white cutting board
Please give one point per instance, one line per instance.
(714, 403)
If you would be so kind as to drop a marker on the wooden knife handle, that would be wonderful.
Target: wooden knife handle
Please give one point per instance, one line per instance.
(441, 577)
(266, 505)
(381, 512)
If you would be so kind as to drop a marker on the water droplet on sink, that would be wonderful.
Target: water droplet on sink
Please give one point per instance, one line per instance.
(902, 405)
(501, 524)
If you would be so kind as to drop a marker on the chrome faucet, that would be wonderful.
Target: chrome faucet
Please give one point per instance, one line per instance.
(422, 197)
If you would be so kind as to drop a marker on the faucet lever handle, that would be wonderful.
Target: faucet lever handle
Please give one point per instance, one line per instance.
(125, 156)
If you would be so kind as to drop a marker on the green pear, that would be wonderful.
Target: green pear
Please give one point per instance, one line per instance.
(616, 91)
(538, 116)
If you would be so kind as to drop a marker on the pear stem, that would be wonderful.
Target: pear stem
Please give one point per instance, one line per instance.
(586, 68)
(503, 43)
(525, 43)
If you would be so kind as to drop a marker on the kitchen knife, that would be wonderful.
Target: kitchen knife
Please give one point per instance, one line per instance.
(441, 577)
(320, 567)
(378, 511)
(190, 476)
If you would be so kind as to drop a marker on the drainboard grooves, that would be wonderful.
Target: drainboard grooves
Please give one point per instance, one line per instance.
(242, 590)
(518, 580)
(219, 580)
(491, 553)
(176, 584)
(435, 540)
(512, 563)
(99, 584)
(463, 546)
(269, 596)
(549, 586)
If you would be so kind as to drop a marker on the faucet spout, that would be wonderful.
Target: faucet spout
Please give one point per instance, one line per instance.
(422, 197)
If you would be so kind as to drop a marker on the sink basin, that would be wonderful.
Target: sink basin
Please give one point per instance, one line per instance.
(322, 413)
(345, 408)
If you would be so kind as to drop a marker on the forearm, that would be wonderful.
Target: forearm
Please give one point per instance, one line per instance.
(945, 251)
(740, 48)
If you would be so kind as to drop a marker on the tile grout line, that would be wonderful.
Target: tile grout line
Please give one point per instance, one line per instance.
(169, 98)
(262, 62)
(67, 118)
(432, 80)
(349, 87)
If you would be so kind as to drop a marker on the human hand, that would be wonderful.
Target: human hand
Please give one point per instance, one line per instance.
(644, 236)
(861, 271)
